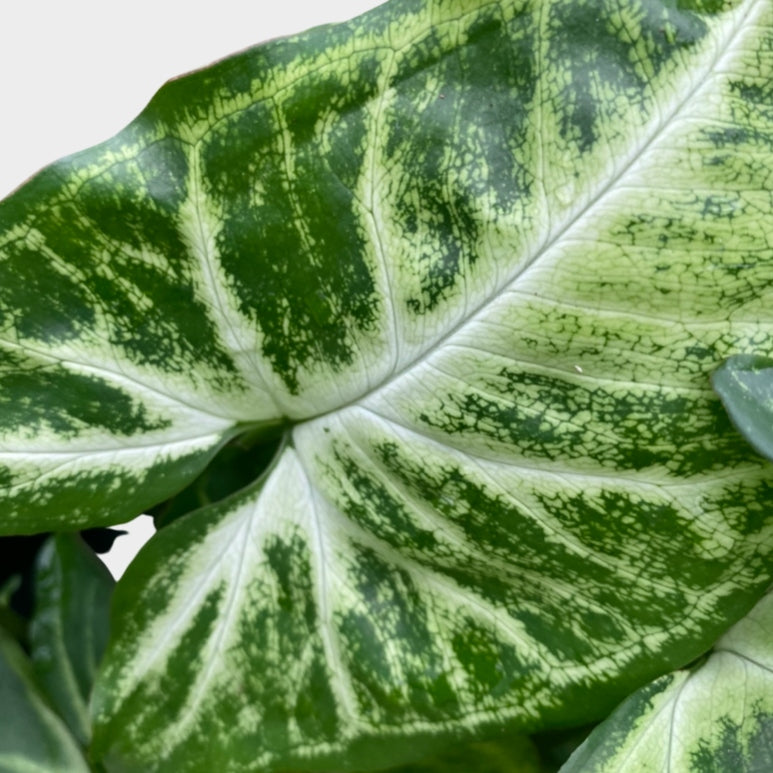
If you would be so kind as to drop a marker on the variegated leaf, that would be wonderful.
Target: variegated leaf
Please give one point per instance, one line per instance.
(480, 259)
(717, 717)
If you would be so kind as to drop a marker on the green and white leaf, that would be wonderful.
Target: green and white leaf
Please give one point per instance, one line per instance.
(70, 627)
(716, 717)
(32, 738)
(745, 384)
(479, 259)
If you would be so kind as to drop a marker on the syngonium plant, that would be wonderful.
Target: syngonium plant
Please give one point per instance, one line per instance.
(461, 272)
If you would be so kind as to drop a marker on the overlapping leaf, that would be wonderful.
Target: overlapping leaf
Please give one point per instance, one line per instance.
(717, 717)
(745, 384)
(69, 629)
(480, 258)
(44, 697)
(32, 737)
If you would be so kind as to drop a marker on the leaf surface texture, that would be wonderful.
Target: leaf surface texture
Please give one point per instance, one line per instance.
(480, 260)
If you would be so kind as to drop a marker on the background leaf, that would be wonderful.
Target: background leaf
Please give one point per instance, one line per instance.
(745, 384)
(32, 737)
(70, 627)
(239, 463)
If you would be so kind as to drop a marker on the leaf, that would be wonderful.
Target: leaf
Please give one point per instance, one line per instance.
(480, 258)
(554, 747)
(719, 716)
(237, 465)
(11, 622)
(745, 384)
(69, 629)
(32, 738)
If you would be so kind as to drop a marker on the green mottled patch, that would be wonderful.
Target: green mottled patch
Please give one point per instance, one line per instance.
(730, 750)
(171, 686)
(394, 626)
(308, 250)
(40, 398)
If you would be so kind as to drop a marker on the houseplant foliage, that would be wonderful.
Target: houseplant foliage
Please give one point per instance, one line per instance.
(716, 717)
(45, 690)
(473, 264)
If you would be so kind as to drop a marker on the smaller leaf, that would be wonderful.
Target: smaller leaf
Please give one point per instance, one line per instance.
(10, 620)
(70, 626)
(237, 464)
(32, 737)
(745, 385)
(718, 716)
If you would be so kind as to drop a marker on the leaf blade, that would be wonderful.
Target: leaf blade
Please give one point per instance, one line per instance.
(69, 629)
(745, 385)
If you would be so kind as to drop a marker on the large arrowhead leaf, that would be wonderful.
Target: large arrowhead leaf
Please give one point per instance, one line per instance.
(505, 753)
(480, 259)
(717, 717)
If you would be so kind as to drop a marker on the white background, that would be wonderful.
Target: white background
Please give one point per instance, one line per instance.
(74, 72)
